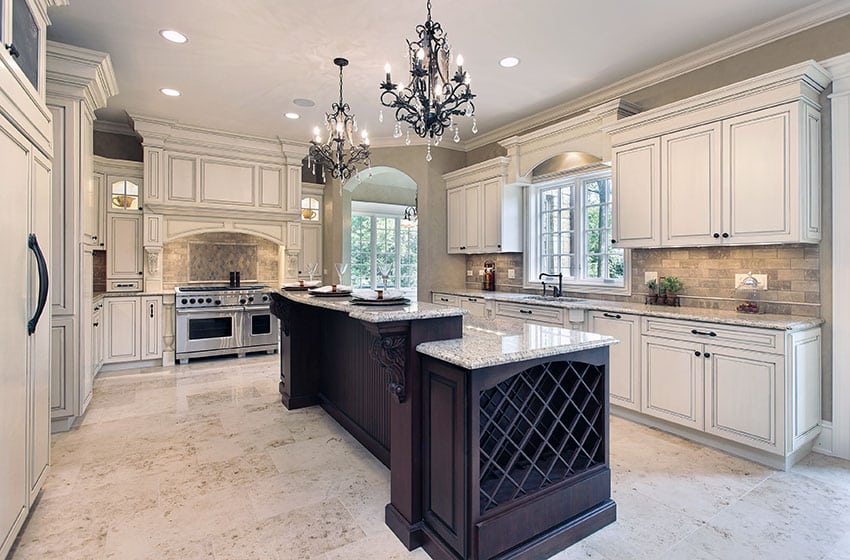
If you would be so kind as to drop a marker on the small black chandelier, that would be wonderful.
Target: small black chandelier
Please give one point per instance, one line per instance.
(341, 126)
(434, 96)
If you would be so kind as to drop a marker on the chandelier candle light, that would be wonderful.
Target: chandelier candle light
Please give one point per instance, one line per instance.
(434, 96)
(341, 126)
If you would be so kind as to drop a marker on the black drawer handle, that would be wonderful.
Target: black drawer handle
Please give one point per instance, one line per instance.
(96, 324)
(703, 333)
(472, 299)
(707, 354)
(526, 311)
(151, 311)
(612, 315)
(444, 299)
(697, 353)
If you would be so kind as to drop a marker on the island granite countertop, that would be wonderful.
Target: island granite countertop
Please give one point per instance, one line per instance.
(374, 314)
(494, 342)
(764, 321)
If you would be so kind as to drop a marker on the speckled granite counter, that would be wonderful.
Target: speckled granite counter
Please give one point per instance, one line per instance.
(495, 342)
(764, 321)
(375, 314)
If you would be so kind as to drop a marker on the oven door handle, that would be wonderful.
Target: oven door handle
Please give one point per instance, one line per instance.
(210, 310)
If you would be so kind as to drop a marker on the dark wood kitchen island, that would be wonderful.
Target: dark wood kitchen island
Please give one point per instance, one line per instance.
(496, 433)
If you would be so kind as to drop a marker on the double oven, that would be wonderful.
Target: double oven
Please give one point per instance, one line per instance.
(216, 320)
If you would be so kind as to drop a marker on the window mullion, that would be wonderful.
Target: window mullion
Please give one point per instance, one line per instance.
(373, 261)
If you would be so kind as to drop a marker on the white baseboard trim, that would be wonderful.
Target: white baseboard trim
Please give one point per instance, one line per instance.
(823, 444)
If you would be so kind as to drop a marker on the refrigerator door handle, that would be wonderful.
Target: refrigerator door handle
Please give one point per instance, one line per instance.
(42, 283)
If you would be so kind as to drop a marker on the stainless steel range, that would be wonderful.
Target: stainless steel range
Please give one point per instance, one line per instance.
(213, 320)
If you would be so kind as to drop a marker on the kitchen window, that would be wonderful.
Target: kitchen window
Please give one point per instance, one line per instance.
(570, 233)
(380, 235)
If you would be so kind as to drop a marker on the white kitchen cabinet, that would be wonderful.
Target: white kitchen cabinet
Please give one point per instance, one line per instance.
(737, 166)
(636, 192)
(690, 186)
(476, 306)
(484, 215)
(94, 211)
(537, 314)
(122, 335)
(124, 246)
(755, 387)
(624, 357)
(97, 337)
(673, 382)
(86, 365)
(311, 249)
(447, 300)
(133, 329)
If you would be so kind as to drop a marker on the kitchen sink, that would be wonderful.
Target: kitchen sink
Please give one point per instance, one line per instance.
(551, 298)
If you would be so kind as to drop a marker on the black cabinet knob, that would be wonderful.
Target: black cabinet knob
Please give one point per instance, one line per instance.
(707, 354)
(613, 241)
(697, 353)
(218, 302)
(499, 245)
(716, 235)
(242, 301)
(725, 235)
(141, 272)
(13, 50)
(96, 324)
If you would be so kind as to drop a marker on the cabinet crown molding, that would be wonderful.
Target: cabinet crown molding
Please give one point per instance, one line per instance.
(804, 81)
(171, 135)
(496, 167)
(80, 72)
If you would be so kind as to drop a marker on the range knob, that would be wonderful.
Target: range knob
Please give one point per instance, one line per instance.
(250, 298)
(242, 301)
(218, 302)
(209, 300)
(184, 301)
(265, 298)
(192, 300)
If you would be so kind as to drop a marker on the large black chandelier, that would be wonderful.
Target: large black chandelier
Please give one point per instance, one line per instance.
(435, 96)
(332, 154)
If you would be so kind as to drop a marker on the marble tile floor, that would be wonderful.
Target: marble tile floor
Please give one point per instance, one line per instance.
(202, 461)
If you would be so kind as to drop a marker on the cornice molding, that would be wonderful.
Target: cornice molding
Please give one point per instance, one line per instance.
(82, 72)
(496, 167)
(779, 28)
(118, 166)
(112, 127)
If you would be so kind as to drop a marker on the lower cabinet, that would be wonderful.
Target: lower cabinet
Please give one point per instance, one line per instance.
(624, 360)
(97, 337)
(133, 329)
(476, 306)
(537, 314)
(757, 387)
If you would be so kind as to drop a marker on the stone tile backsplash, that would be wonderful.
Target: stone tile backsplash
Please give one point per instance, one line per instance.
(209, 258)
(793, 275)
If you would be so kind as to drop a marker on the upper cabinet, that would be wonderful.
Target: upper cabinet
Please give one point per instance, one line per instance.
(736, 166)
(484, 215)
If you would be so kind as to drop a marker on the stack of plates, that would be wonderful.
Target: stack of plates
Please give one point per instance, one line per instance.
(327, 291)
(370, 297)
(301, 286)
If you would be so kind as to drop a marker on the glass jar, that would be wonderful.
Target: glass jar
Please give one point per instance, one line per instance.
(748, 295)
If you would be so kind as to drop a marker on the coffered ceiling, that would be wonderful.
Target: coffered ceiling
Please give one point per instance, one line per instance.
(246, 61)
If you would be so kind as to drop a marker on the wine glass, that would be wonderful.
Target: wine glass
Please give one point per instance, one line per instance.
(384, 271)
(311, 269)
(340, 270)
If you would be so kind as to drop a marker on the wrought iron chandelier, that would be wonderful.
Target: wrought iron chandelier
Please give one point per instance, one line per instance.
(411, 213)
(332, 154)
(434, 96)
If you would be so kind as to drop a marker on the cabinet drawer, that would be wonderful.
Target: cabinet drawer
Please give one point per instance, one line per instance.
(125, 286)
(445, 299)
(476, 306)
(745, 338)
(534, 313)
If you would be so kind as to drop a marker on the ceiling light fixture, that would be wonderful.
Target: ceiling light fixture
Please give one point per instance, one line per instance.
(340, 126)
(173, 36)
(303, 102)
(292, 116)
(170, 92)
(411, 213)
(434, 96)
(509, 62)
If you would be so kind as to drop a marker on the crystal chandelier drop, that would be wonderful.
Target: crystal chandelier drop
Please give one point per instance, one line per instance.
(332, 154)
(435, 95)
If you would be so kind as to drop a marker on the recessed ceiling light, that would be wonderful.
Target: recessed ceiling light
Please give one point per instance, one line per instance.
(301, 102)
(292, 116)
(173, 36)
(509, 62)
(170, 92)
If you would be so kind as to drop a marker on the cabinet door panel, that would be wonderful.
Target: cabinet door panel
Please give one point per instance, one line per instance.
(624, 366)
(311, 248)
(455, 209)
(741, 396)
(690, 186)
(122, 329)
(472, 219)
(124, 257)
(758, 173)
(673, 381)
(636, 177)
(492, 215)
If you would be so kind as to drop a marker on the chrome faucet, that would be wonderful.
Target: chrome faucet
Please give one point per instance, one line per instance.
(556, 292)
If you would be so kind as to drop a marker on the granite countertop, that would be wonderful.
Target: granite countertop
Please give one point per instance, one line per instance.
(375, 314)
(764, 321)
(494, 342)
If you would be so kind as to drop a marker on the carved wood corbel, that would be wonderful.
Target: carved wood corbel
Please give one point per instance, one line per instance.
(389, 350)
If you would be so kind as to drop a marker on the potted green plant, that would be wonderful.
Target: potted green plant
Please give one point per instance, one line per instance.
(652, 286)
(671, 286)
